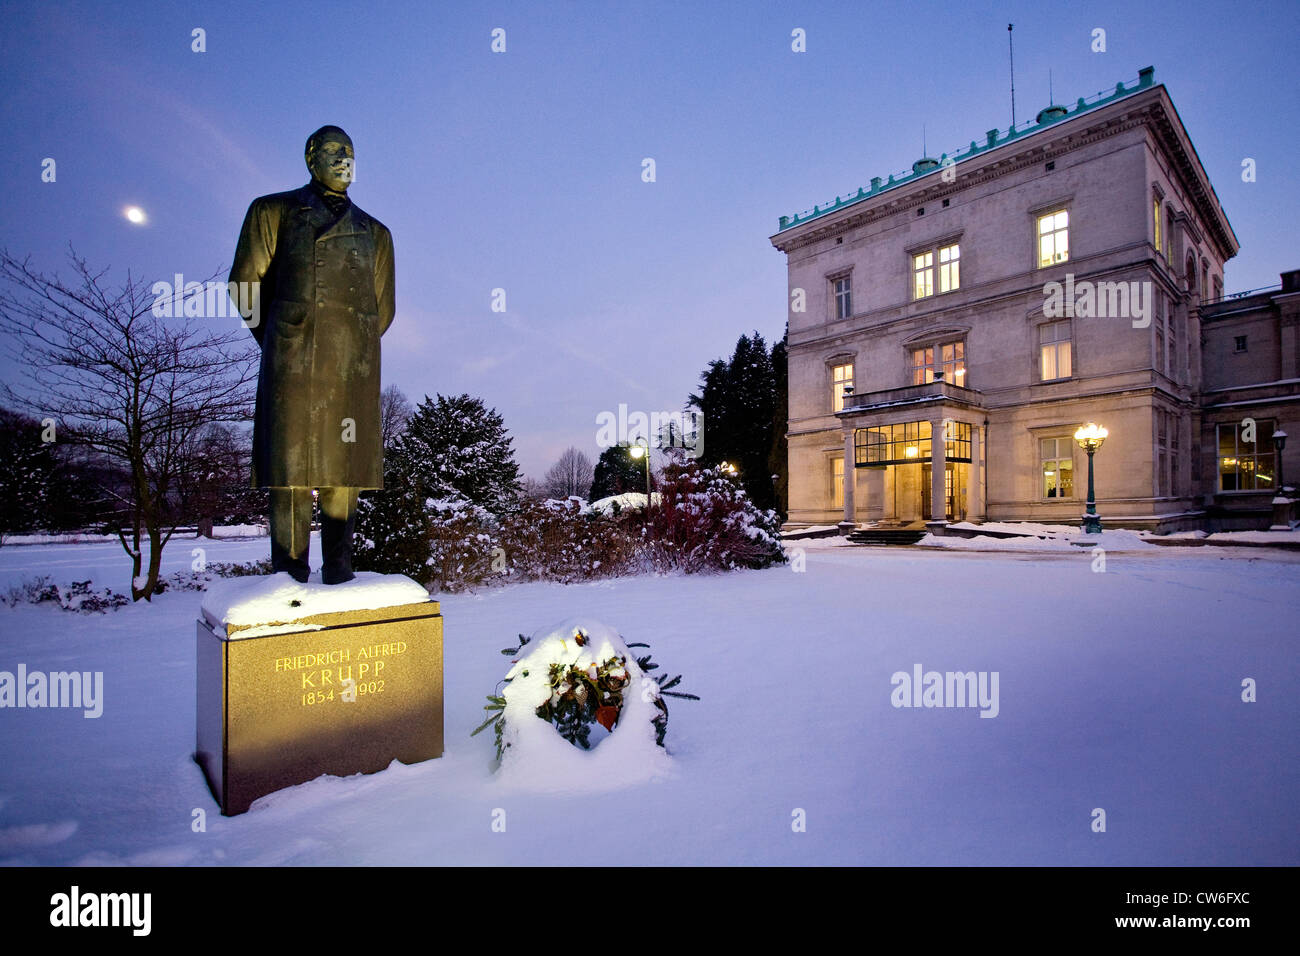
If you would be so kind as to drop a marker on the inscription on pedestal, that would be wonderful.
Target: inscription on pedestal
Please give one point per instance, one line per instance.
(340, 693)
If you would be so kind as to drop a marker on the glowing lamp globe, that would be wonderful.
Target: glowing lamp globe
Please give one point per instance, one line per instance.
(1090, 437)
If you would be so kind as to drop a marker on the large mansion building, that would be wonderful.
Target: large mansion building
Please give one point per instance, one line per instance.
(1065, 271)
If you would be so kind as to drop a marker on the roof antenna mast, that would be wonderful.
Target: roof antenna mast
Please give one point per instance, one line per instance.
(1011, 49)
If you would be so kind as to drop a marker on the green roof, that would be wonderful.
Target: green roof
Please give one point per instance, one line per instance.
(993, 139)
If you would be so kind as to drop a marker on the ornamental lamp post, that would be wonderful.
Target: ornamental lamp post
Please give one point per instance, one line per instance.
(1279, 442)
(642, 450)
(1090, 437)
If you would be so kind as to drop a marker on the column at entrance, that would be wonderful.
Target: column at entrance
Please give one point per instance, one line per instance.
(938, 476)
(975, 479)
(849, 521)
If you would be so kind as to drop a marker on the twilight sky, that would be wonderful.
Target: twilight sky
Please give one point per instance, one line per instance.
(522, 170)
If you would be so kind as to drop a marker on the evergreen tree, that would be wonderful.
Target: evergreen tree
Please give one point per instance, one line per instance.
(456, 447)
(617, 472)
(778, 459)
(738, 399)
(26, 474)
(453, 449)
(41, 488)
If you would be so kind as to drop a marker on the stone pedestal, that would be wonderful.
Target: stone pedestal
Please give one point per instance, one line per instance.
(1283, 510)
(337, 693)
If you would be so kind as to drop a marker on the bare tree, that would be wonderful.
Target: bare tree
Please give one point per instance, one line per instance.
(111, 376)
(530, 489)
(214, 463)
(572, 474)
(395, 411)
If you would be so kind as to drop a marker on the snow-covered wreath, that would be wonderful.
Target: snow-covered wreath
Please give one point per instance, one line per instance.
(568, 684)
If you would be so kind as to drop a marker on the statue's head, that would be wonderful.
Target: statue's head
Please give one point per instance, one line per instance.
(330, 158)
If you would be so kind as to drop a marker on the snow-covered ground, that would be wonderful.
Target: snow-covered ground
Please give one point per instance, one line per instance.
(1118, 690)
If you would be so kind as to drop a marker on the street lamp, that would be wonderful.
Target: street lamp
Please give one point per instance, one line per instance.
(1090, 437)
(642, 450)
(1279, 442)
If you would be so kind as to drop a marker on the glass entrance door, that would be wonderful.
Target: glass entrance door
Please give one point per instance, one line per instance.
(954, 488)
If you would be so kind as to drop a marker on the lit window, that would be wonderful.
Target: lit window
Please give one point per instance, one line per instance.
(1169, 234)
(1054, 350)
(837, 482)
(923, 271)
(909, 443)
(843, 297)
(948, 358)
(1053, 238)
(1056, 455)
(841, 375)
(1245, 465)
(922, 275)
(949, 277)
(1155, 218)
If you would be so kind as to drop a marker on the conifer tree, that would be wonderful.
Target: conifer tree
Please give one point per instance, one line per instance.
(453, 449)
(738, 399)
(617, 472)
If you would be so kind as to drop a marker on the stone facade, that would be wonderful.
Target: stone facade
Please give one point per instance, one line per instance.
(1067, 271)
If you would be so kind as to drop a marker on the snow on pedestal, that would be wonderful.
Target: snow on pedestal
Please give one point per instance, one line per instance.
(256, 606)
(536, 757)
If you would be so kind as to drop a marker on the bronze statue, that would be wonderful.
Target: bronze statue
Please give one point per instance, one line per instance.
(322, 271)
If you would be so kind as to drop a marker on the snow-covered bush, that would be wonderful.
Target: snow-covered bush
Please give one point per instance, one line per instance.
(463, 545)
(701, 520)
(556, 541)
(572, 679)
(76, 596)
(444, 544)
(243, 569)
(705, 521)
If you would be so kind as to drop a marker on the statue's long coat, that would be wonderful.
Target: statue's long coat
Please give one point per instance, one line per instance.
(326, 297)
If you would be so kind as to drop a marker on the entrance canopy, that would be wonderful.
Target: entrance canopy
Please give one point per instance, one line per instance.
(908, 442)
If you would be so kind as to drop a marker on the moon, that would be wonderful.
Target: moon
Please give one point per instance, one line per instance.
(134, 214)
